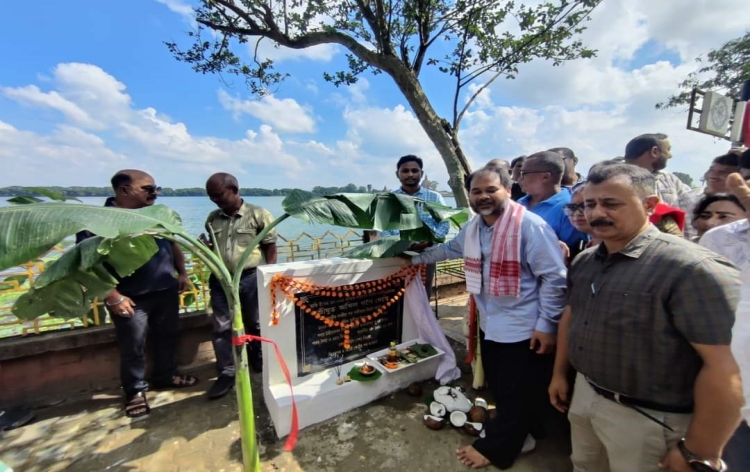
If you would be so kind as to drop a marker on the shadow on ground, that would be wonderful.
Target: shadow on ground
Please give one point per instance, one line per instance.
(187, 432)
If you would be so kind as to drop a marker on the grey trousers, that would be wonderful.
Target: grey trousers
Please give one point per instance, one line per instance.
(222, 321)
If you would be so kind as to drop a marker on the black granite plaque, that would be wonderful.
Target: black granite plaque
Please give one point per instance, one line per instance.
(320, 347)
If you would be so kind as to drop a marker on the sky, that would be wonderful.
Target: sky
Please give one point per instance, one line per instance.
(88, 88)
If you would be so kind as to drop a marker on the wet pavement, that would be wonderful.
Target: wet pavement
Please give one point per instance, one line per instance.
(187, 432)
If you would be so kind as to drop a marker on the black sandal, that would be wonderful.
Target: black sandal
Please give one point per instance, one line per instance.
(137, 406)
(184, 381)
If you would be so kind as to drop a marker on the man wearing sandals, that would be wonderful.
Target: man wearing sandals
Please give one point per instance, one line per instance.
(148, 299)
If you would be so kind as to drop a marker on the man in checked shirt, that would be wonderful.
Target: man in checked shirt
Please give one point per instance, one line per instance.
(648, 328)
(409, 173)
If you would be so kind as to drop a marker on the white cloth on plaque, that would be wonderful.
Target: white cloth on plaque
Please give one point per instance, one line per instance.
(429, 330)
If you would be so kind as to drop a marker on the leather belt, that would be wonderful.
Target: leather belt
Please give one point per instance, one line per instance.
(628, 401)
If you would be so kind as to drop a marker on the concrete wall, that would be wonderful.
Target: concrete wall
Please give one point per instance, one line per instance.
(56, 365)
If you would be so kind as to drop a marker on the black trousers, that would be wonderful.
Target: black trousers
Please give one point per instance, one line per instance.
(222, 321)
(518, 379)
(157, 313)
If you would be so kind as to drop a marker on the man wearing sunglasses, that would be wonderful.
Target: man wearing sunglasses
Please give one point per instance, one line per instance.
(148, 299)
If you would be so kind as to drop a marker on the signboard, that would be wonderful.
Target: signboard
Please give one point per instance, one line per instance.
(320, 347)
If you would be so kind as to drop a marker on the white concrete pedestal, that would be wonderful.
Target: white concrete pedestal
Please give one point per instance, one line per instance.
(317, 395)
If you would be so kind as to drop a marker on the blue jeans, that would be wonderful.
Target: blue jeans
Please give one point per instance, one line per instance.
(737, 450)
(159, 314)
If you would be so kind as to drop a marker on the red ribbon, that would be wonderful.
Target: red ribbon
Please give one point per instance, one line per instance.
(472, 329)
(294, 432)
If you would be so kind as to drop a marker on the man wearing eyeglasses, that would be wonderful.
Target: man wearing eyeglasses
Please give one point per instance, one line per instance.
(148, 299)
(541, 177)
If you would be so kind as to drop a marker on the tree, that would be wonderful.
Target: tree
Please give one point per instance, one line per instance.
(124, 242)
(726, 69)
(466, 40)
(685, 178)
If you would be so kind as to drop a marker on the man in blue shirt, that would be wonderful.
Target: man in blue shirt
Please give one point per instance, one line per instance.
(410, 174)
(511, 321)
(147, 300)
(542, 176)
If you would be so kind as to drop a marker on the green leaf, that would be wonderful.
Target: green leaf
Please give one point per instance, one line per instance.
(125, 255)
(380, 248)
(7, 285)
(27, 231)
(24, 200)
(314, 208)
(51, 194)
(64, 298)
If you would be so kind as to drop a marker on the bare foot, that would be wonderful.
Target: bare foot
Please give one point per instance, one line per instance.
(471, 457)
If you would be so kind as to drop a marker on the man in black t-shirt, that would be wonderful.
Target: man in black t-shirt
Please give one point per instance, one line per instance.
(148, 299)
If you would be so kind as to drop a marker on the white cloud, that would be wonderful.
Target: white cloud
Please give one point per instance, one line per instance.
(92, 101)
(286, 115)
(179, 7)
(268, 49)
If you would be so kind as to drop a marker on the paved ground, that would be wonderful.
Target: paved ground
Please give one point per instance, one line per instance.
(186, 432)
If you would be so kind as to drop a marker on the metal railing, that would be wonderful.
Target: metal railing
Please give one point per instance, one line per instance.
(15, 282)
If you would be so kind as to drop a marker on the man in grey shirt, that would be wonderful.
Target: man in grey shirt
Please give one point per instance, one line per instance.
(648, 328)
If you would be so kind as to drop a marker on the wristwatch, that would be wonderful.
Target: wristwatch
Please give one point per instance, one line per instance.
(696, 463)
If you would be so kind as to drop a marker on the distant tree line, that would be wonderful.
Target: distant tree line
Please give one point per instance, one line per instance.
(181, 192)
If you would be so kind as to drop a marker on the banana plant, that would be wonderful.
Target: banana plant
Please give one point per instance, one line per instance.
(125, 242)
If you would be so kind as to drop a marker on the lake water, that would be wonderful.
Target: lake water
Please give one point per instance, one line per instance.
(193, 211)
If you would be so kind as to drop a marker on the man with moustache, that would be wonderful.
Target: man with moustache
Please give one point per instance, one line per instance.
(647, 328)
(147, 300)
(516, 273)
(234, 225)
(409, 170)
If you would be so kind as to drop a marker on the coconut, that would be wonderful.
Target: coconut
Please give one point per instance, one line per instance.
(481, 402)
(473, 429)
(437, 409)
(458, 419)
(414, 389)
(433, 422)
(477, 414)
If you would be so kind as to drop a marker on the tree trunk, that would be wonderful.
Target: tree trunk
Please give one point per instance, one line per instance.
(437, 129)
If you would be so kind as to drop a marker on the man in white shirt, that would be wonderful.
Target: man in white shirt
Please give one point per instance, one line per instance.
(733, 242)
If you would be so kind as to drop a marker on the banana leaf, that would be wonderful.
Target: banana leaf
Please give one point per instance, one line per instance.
(45, 192)
(27, 231)
(380, 248)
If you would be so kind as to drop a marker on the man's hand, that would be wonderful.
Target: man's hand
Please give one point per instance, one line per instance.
(674, 461)
(119, 304)
(565, 250)
(183, 283)
(543, 343)
(419, 247)
(559, 389)
(737, 186)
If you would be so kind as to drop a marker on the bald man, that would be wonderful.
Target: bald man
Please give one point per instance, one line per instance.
(148, 299)
(500, 164)
(235, 224)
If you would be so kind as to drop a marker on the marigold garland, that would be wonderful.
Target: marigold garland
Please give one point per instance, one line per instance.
(290, 287)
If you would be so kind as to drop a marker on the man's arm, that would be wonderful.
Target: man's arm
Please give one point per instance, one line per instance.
(718, 400)
(453, 249)
(270, 252)
(546, 262)
(178, 257)
(703, 302)
(559, 389)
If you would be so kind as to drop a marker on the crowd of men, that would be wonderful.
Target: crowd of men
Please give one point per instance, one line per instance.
(591, 293)
(621, 290)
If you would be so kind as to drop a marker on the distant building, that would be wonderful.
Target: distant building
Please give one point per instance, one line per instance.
(369, 188)
(385, 189)
(429, 184)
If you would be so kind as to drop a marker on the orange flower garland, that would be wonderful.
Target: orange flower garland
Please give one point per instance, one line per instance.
(290, 287)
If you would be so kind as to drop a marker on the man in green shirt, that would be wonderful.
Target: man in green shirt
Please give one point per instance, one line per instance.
(235, 224)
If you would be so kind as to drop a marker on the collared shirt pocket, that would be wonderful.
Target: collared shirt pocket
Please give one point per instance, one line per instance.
(245, 236)
(629, 309)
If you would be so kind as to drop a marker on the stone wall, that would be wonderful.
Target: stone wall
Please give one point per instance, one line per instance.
(56, 365)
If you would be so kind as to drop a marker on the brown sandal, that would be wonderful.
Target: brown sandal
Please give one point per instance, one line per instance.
(137, 406)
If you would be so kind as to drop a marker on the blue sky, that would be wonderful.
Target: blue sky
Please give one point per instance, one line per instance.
(89, 88)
